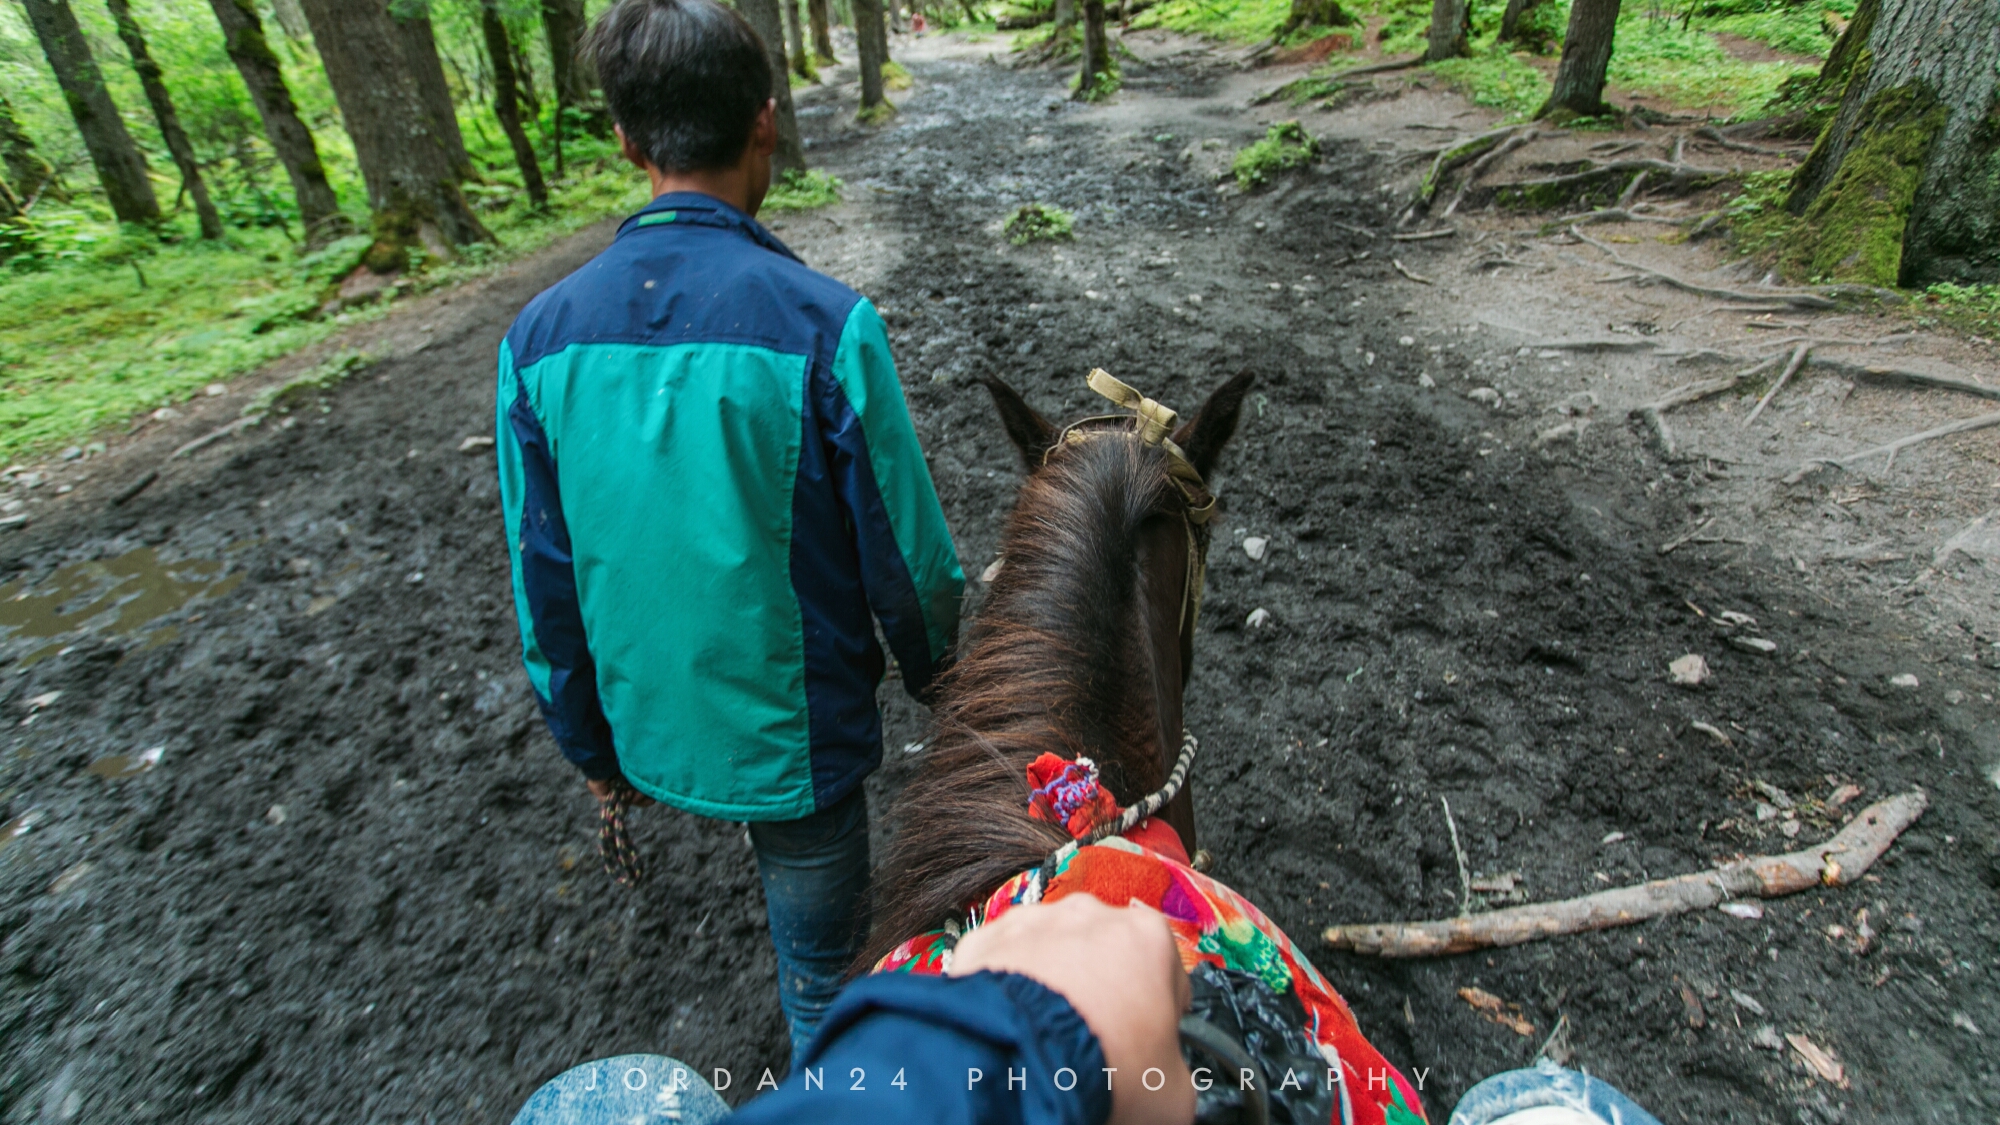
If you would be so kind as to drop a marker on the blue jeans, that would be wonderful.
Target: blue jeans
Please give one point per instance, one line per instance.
(1591, 1099)
(626, 1090)
(815, 872)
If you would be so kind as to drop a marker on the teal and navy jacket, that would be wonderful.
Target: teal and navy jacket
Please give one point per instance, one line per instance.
(710, 480)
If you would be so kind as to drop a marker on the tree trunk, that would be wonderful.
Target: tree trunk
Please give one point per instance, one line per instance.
(243, 38)
(1065, 12)
(29, 173)
(822, 31)
(1094, 81)
(1579, 86)
(412, 189)
(1306, 13)
(162, 102)
(795, 40)
(420, 58)
(872, 44)
(10, 208)
(291, 18)
(1451, 30)
(770, 27)
(1511, 27)
(120, 168)
(1903, 185)
(507, 102)
(564, 22)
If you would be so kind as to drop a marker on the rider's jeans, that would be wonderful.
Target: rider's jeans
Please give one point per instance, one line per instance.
(815, 873)
(1546, 1094)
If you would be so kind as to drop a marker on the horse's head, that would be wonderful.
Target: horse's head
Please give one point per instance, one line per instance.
(1081, 647)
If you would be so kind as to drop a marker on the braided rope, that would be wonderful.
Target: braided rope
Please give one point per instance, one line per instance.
(614, 840)
(1127, 820)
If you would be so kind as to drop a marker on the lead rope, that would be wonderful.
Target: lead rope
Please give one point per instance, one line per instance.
(1127, 820)
(614, 840)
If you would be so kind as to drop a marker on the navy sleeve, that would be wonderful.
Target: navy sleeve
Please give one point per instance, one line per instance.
(553, 644)
(985, 1049)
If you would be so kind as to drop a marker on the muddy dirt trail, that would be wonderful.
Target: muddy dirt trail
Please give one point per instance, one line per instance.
(358, 882)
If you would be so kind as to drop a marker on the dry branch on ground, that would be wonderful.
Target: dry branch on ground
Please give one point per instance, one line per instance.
(1835, 863)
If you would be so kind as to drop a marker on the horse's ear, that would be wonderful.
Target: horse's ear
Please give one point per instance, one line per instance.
(1202, 439)
(1031, 433)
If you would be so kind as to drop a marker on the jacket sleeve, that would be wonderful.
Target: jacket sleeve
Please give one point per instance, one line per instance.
(909, 567)
(985, 1049)
(553, 645)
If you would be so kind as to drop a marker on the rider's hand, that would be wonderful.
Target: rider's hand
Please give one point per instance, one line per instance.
(1118, 968)
(603, 790)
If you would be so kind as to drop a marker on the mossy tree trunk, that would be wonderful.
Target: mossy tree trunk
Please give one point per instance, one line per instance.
(871, 42)
(770, 27)
(507, 101)
(563, 24)
(1096, 52)
(243, 38)
(1903, 185)
(822, 29)
(1314, 13)
(412, 186)
(1512, 25)
(26, 169)
(1586, 55)
(1451, 30)
(178, 145)
(120, 168)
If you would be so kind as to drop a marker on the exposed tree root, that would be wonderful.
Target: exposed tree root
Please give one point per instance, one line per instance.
(1963, 426)
(1791, 297)
(1798, 361)
(1835, 863)
(1480, 166)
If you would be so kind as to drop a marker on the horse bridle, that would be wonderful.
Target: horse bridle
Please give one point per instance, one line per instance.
(1153, 424)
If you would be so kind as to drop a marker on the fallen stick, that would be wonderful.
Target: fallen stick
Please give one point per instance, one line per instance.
(1654, 413)
(213, 436)
(1424, 235)
(1835, 863)
(135, 488)
(1377, 68)
(1796, 299)
(1798, 361)
(1405, 271)
(1675, 544)
(1963, 426)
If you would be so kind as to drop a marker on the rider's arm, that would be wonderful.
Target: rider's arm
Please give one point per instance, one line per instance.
(553, 645)
(909, 567)
(943, 1051)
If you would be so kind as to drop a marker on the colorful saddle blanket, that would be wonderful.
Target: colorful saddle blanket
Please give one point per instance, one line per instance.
(1215, 925)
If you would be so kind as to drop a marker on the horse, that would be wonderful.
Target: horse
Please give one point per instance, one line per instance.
(1058, 731)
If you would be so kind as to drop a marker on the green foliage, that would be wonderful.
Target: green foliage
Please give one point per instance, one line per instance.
(803, 191)
(1757, 219)
(325, 377)
(1975, 308)
(1238, 20)
(1038, 222)
(1286, 145)
(1498, 78)
(1658, 59)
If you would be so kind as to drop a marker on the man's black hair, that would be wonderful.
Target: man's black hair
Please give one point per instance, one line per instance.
(685, 79)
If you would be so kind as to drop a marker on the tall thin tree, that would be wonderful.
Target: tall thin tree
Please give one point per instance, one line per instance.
(120, 168)
(1586, 55)
(563, 22)
(768, 24)
(507, 101)
(822, 31)
(30, 174)
(178, 144)
(243, 38)
(412, 188)
(795, 39)
(1097, 74)
(412, 19)
(871, 43)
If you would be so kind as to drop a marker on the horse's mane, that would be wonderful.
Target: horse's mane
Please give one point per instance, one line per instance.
(1053, 662)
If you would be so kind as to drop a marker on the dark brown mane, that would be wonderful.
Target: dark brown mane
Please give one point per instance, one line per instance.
(1049, 664)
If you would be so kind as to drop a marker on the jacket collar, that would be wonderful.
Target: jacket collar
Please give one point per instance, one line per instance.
(692, 208)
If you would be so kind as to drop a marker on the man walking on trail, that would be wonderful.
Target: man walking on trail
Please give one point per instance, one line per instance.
(710, 480)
